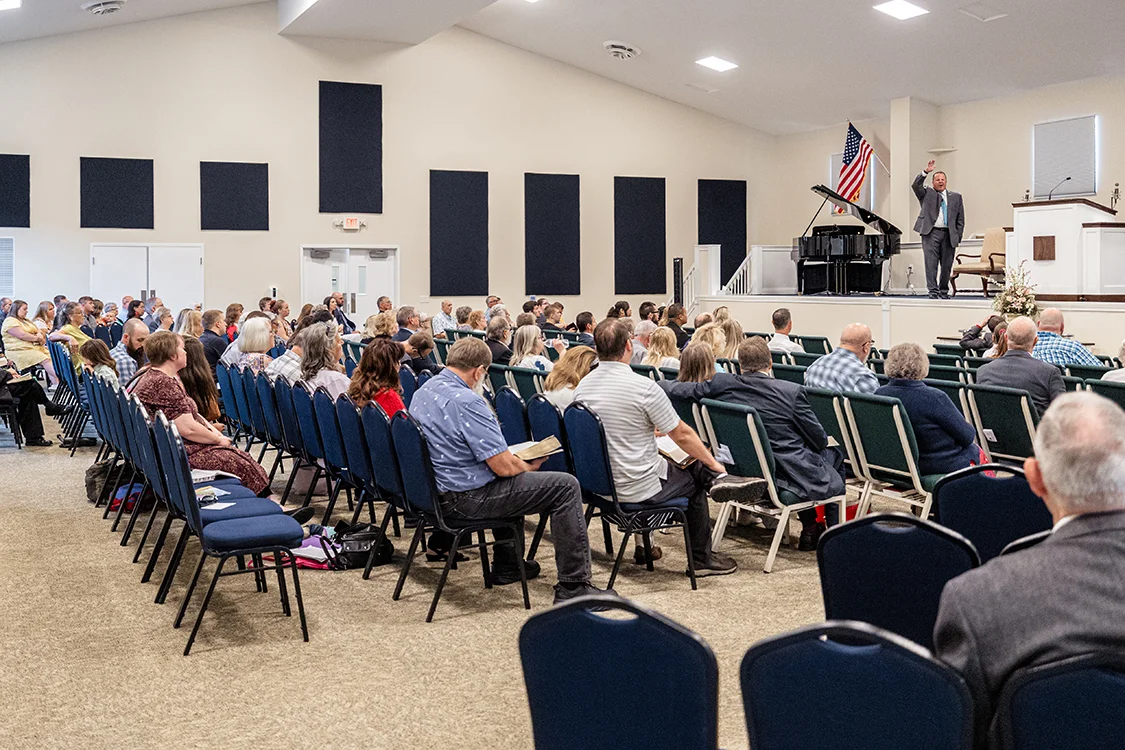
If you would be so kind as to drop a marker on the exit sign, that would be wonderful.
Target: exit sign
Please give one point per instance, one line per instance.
(351, 222)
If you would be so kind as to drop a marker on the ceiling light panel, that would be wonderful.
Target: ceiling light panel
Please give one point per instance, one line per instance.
(901, 9)
(716, 63)
(9, 4)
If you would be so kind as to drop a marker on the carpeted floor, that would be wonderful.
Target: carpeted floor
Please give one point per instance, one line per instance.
(90, 661)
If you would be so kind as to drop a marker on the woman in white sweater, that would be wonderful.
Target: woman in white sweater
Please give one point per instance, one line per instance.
(528, 349)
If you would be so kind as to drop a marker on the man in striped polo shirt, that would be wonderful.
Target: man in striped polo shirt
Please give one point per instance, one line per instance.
(632, 409)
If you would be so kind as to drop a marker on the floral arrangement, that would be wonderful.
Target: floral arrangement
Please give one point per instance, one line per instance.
(1018, 296)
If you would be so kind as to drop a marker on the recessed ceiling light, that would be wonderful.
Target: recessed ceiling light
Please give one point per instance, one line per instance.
(9, 4)
(532, 1)
(716, 63)
(900, 9)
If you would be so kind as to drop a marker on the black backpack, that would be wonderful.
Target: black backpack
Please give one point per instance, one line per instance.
(353, 544)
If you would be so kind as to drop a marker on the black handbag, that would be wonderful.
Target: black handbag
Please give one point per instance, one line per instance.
(352, 547)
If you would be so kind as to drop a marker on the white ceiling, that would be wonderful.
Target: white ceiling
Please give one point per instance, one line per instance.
(804, 64)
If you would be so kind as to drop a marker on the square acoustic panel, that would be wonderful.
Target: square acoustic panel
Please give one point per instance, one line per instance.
(15, 190)
(234, 196)
(116, 193)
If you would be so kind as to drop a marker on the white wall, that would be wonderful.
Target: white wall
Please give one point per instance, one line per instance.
(224, 86)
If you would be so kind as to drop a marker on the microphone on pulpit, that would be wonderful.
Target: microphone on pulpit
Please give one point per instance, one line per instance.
(1056, 187)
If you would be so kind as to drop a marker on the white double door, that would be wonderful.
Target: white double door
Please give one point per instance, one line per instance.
(174, 273)
(362, 275)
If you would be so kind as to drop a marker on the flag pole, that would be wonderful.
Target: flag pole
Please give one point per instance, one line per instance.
(881, 164)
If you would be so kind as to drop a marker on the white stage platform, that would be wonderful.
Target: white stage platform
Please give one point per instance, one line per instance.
(896, 319)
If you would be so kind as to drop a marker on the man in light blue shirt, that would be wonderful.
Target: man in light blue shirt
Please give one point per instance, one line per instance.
(444, 320)
(478, 477)
(1054, 348)
(844, 369)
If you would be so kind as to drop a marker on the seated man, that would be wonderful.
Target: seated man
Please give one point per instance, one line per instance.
(1053, 348)
(129, 354)
(552, 317)
(497, 337)
(287, 367)
(642, 337)
(490, 302)
(782, 327)
(478, 477)
(1062, 597)
(632, 408)
(1020, 370)
(444, 320)
(409, 323)
(342, 320)
(701, 320)
(416, 353)
(805, 464)
(978, 339)
(844, 369)
(677, 317)
(584, 321)
(213, 338)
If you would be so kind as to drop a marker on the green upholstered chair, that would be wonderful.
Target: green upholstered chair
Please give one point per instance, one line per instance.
(1115, 392)
(1005, 421)
(526, 381)
(792, 373)
(1087, 372)
(945, 372)
(956, 392)
(648, 371)
(804, 359)
(816, 345)
(780, 358)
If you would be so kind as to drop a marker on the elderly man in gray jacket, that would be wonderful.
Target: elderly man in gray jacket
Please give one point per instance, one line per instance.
(1062, 597)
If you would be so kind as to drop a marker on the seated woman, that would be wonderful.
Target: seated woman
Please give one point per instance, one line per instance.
(199, 381)
(946, 441)
(999, 342)
(159, 389)
(30, 395)
(254, 343)
(476, 321)
(282, 329)
(164, 319)
(24, 344)
(189, 322)
(135, 309)
(732, 331)
(233, 315)
(662, 349)
(712, 335)
(45, 317)
(320, 361)
(463, 314)
(574, 365)
(71, 332)
(97, 361)
(382, 325)
(697, 363)
(376, 377)
(528, 348)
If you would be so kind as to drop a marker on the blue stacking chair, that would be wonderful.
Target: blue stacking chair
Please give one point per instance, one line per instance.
(424, 377)
(512, 414)
(591, 465)
(254, 409)
(278, 350)
(888, 693)
(226, 399)
(236, 537)
(116, 331)
(310, 435)
(101, 333)
(357, 454)
(409, 384)
(991, 512)
(335, 455)
(1072, 703)
(888, 569)
(384, 468)
(422, 495)
(274, 433)
(577, 663)
(294, 444)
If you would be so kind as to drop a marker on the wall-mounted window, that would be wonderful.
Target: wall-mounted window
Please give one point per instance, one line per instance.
(1061, 149)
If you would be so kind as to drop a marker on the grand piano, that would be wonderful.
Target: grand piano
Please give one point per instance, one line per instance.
(841, 259)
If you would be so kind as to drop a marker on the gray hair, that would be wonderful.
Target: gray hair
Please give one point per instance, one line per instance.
(405, 313)
(644, 328)
(318, 352)
(498, 328)
(1080, 448)
(907, 361)
(462, 314)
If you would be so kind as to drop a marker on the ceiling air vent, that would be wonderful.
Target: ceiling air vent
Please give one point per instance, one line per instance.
(621, 50)
(103, 7)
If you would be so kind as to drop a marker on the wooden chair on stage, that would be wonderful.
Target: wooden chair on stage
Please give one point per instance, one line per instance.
(988, 265)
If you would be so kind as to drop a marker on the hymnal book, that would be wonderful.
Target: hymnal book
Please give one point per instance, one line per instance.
(533, 451)
(668, 448)
(203, 475)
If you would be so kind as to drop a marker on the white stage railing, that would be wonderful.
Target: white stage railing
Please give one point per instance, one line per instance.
(739, 282)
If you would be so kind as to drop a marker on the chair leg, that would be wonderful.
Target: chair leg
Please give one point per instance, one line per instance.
(484, 560)
(206, 601)
(687, 549)
(332, 501)
(190, 589)
(409, 559)
(281, 583)
(646, 539)
(312, 485)
(148, 529)
(444, 575)
(926, 506)
(517, 539)
(292, 477)
(375, 548)
(173, 566)
(720, 526)
(138, 508)
(113, 490)
(782, 526)
(620, 554)
(276, 463)
(607, 536)
(538, 536)
(159, 544)
(297, 593)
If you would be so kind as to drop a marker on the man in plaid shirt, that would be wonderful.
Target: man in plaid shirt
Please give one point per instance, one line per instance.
(1053, 348)
(129, 354)
(844, 369)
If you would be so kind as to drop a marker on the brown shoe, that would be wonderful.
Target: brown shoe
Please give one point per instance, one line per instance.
(639, 554)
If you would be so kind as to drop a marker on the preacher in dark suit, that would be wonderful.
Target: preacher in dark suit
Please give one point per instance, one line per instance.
(1063, 597)
(1018, 369)
(806, 465)
(941, 221)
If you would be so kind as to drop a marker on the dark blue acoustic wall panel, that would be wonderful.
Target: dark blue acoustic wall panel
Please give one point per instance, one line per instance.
(458, 234)
(351, 148)
(234, 196)
(639, 235)
(551, 231)
(722, 221)
(15, 190)
(116, 193)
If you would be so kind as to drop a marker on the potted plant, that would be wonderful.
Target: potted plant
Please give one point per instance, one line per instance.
(1018, 296)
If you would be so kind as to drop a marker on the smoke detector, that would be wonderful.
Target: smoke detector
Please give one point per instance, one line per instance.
(103, 7)
(621, 50)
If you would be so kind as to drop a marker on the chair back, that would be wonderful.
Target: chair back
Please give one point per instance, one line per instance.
(278, 350)
(226, 392)
(238, 396)
(101, 333)
(1088, 372)
(685, 408)
(306, 418)
(593, 676)
(116, 331)
(147, 449)
(804, 359)
(944, 359)
(792, 373)
(952, 350)
(324, 409)
(888, 569)
(947, 372)
(287, 414)
(972, 363)
(414, 460)
(497, 377)
(877, 366)
(588, 450)
(882, 678)
(384, 462)
(819, 345)
(1112, 390)
(668, 373)
(780, 358)
(424, 377)
(829, 409)
(353, 351)
(1006, 421)
(1073, 384)
(738, 429)
(1026, 542)
(729, 365)
(267, 402)
(648, 371)
(409, 384)
(512, 413)
(355, 442)
(1074, 703)
(527, 381)
(174, 464)
(884, 440)
(253, 401)
(955, 389)
(990, 511)
(441, 348)
(545, 420)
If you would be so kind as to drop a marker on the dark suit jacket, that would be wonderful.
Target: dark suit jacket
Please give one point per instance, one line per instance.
(682, 339)
(343, 321)
(930, 200)
(1018, 369)
(805, 465)
(403, 335)
(586, 339)
(501, 354)
(213, 347)
(1061, 598)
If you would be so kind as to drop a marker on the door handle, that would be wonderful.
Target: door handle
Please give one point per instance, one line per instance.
(353, 303)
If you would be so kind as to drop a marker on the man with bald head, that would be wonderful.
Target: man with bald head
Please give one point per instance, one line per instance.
(1053, 348)
(1018, 369)
(1062, 597)
(845, 369)
(129, 354)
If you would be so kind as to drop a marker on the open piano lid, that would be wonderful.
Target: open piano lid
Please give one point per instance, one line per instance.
(873, 220)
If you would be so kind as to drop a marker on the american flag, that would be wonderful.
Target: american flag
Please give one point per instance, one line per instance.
(857, 155)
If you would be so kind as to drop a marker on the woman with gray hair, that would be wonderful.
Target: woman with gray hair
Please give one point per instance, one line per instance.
(320, 360)
(946, 441)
